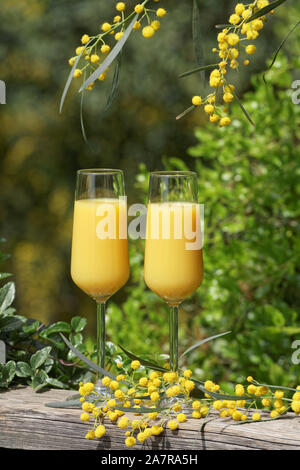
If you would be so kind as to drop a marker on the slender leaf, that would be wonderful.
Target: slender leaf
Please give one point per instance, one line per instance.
(188, 110)
(144, 362)
(197, 39)
(141, 410)
(220, 396)
(115, 83)
(222, 26)
(76, 396)
(70, 77)
(206, 340)
(197, 69)
(133, 397)
(64, 404)
(279, 48)
(81, 118)
(279, 387)
(87, 361)
(243, 109)
(111, 56)
(265, 10)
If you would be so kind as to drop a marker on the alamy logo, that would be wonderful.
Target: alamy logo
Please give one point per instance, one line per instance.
(2, 92)
(296, 94)
(296, 354)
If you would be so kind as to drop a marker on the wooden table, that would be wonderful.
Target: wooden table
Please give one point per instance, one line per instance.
(26, 423)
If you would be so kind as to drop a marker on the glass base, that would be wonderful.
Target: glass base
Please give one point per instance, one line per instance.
(168, 402)
(100, 388)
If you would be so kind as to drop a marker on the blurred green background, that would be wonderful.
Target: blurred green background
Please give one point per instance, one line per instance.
(248, 179)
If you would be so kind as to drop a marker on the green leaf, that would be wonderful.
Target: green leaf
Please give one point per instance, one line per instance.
(4, 275)
(197, 69)
(223, 26)
(111, 56)
(31, 328)
(265, 10)
(196, 33)
(81, 120)
(39, 380)
(144, 362)
(58, 327)
(279, 387)
(4, 257)
(23, 369)
(70, 78)
(78, 324)
(11, 322)
(40, 357)
(76, 396)
(220, 396)
(7, 295)
(10, 369)
(279, 48)
(243, 109)
(87, 361)
(141, 409)
(206, 340)
(56, 383)
(188, 110)
(64, 404)
(115, 83)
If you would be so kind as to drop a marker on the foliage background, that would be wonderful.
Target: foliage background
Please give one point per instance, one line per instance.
(248, 180)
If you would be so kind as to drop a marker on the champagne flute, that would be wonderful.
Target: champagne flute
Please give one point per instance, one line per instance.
(99, 260)
(173, 250)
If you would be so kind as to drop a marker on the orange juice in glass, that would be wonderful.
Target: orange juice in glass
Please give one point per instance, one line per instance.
(99, 260)
(173, 251)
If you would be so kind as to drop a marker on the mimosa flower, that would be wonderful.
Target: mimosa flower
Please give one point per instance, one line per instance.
(135, 365)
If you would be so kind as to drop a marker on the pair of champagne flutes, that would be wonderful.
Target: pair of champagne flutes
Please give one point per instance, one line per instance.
(173, 266)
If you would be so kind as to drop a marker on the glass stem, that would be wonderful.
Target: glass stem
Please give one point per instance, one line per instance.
(173, 331)
(101, 307)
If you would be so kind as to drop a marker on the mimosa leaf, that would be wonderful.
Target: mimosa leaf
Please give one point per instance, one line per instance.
(73, 397)
(196, 31)
(265, 10)
(188, 110)
(141, 410)
(243, 109)
(223, 26)
(110, 58)
(196, 345)
(278, 387)
(144, 362)
(81, 120)
(279, 48)
(220, 396)
(70, 78)
(115, 83)
(65, 404)
(88, 362)
(197, 69)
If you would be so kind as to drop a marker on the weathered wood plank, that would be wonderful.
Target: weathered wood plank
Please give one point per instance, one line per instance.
(26, 423)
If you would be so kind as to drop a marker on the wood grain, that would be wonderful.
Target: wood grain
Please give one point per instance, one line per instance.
(26, 423)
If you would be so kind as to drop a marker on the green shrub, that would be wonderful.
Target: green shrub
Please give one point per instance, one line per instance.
(249, 183)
